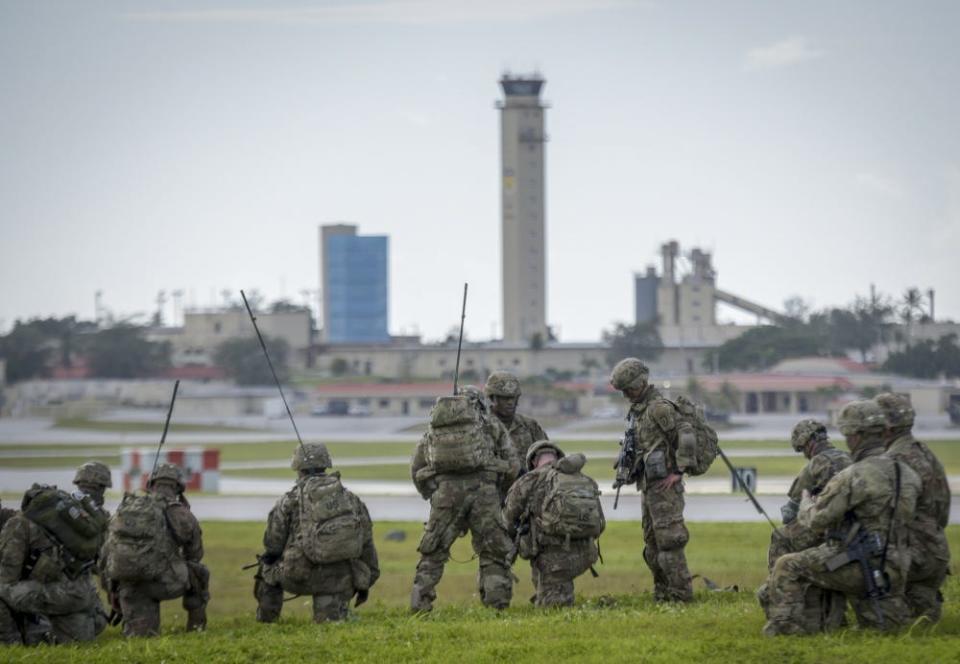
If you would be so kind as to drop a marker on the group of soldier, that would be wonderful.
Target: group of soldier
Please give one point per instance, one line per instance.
(865, 528)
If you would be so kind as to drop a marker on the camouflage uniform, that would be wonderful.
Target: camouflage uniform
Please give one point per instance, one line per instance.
(554, 561)
(462, 502)
(332, 585)
(524, 431)
(929, 552)
(140, 602)
(38, 600)
(859, 499)
(5, 515)
(653, 421)
(809, 437)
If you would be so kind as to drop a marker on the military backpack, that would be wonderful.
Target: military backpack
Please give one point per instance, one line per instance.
(571, 506)
(456, 441)
(331, 529)
(139, 546)
(696, 440)
(72, 520)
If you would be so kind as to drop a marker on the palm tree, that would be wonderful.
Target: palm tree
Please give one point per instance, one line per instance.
(911, 306)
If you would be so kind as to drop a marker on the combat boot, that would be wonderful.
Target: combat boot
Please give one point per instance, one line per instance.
(197, 619)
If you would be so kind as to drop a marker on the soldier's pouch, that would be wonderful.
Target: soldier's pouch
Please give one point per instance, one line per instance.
(46, 569)
(432, 536)
(655, 465)
(836, 562)
(362, 576)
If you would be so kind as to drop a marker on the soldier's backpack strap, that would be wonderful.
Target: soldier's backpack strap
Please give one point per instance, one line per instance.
(893, 513)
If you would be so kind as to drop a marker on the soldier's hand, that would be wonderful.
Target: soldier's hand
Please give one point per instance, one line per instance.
(789, 511)
(362, 596)
(669, 481)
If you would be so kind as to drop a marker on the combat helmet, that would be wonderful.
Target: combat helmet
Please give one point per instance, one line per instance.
(629, 373)
(861, 417)
(804, 431)
(539, 447)
(502, 384)
(897, 410)
(93, 472)
(311, 456)
(168, 471)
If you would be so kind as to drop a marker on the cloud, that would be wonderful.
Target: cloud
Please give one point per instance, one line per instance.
(785, 53)
(412, 12)
(880, 184)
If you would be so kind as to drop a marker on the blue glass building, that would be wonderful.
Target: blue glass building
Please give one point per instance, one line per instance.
(354, 285)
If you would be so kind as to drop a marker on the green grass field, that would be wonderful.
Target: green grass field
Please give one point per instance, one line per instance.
(615, 619)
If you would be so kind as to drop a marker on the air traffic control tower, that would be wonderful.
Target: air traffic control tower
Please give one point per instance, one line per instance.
(523, 246)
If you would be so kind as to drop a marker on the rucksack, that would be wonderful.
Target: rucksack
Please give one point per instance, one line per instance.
(139, 547)
(571, 506)
(456, 441)
(330, 525)
(74, 521)
(696, 440)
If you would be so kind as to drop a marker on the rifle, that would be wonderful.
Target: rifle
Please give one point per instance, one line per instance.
(463, 315)
(743, 485)
(166, 427)
(253, 319)
(625, 463)
(861, 548)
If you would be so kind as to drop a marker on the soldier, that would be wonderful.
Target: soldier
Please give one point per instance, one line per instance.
(153, 551)
(809, 437)
(46, 593)
(93, 479)
(554, 511)
(318, 541)
(462, 465)
(929, 552)
(503, 391)
(864, 509)
(652, 420)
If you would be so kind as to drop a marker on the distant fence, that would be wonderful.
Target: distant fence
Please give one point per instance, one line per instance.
(201, 467)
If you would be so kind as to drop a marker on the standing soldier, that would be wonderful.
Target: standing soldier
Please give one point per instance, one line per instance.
(152, 553)
(318, 541)
(46, 591)
(554, 514)
(503, 391)
(929, 552)
(864, 509)
(809, 438)
(652, 422)
(462, 465)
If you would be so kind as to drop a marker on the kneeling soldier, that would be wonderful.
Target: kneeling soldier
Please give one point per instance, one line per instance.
(318, 541)
(554, 510)
(865, 510)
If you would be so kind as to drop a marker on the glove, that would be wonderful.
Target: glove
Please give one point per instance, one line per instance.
(362, 596)
(789, 511)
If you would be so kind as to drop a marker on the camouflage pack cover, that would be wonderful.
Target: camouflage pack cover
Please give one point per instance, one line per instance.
(697, 442)
(629, 373)
(93, 472)
(311, 456)
(502, 384)
(330, 527)
(897, 410)
(536, 448)
(861, 417)
(571, 506)
(139, 547)
(72, 520)
(456, 440)
(804, 431)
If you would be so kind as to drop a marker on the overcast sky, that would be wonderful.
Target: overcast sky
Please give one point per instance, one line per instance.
(814, 147)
